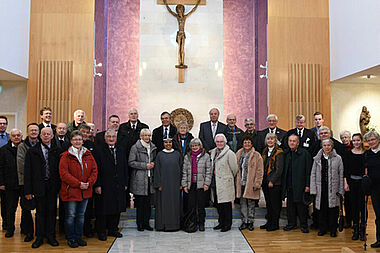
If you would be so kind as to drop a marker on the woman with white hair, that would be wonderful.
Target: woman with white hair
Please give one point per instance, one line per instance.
(225, 168)
(141, 160)
(326, 181)
(372, 164)
(196, 179)
(79, 116)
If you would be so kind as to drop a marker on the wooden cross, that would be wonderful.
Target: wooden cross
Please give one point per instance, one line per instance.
(181, 18)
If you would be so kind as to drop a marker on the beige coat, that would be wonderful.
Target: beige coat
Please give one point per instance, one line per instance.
(254, 176)
(225, 172)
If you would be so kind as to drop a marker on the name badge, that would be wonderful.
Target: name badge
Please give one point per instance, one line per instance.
(306, 145)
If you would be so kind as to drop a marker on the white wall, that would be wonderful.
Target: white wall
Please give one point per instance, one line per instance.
(159, 89)
(347, 100)
(354, 36)
(14, 36)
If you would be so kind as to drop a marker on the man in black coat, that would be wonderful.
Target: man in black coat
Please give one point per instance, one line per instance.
(325, 133)
(61, 138)
(45, 115)
(162, 132)
(272, 121)
(249, 124)
(42, 183)
(9, 178)
(209, 129)
(110, 187)
(233, 133)
(306, 136)
(113, 123)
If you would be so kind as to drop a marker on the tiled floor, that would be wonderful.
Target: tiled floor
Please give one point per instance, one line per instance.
(168, 242)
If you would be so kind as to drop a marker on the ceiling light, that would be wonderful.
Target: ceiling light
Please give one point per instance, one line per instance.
(369, 76)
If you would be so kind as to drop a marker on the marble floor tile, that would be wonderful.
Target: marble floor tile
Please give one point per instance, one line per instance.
(209, 241)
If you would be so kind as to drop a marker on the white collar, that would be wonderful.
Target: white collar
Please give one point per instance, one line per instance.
(13, 145)
(133, 124)
(274, 130)
(270, 149)
(168, 151)
(61, 138)
(376, 150)
(46, 124)
(325, 156)
(111, 146)
(212, 123)
(163, 127)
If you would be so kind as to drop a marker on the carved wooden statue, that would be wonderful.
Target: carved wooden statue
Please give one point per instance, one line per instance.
(180, 39)
(364, 120)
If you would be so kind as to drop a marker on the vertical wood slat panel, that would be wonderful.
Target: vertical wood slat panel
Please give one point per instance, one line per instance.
(54, 87)
(305, 80)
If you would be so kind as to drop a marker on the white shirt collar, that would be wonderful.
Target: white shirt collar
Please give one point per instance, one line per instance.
(13, 145)
(212, 123)
(325, 156)
(273, 130)
(133, 124)
(61, 138)
(163, 128)
(376, 150)
(45, 124)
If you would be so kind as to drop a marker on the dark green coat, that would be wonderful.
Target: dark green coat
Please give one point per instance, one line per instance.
(301, 168)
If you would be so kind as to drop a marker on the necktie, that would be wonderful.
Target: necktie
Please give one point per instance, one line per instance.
(166, 133)
(133, 127)
(300, 133)
(47, 171)
(48, 125)
(113, 154)
(2, 136)
(213, 130)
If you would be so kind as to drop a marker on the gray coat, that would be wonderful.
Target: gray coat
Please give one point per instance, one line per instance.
(335, 178)
(204, 170)
(138, 159)
(226, 168)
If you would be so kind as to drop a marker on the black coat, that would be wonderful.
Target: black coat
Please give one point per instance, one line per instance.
(62, 146)
(53, 127)
(112, 179)
(177, 145)
(99, 138)
(281, 135)
(253, 138)
(130, 136)
(205, 134)
(339, 148)
(158, 136)
(230, 136)
(8, 166)
(34, 174)
(307, 141)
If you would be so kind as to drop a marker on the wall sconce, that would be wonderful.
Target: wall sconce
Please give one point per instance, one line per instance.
(96, 65)
(266, 70)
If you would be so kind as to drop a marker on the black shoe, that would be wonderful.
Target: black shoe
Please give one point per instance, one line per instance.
(355, 234)
(290, 227)
(321, 233)
(81, 242)
(28, 238)
(9, 234)
(37, 243)
(251, 227)
(333, 234)
(53, 242)
(219, 226)
(305, 230)
(102, 237)
(243, 226)
(225, 229)
(201, 227)
(72, 244)
(116, 234)
(264, 226)
(140, 228)
(274, 228)
(375, 245)
(148, 227)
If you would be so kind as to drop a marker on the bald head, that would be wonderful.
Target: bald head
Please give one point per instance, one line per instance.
(46, 135)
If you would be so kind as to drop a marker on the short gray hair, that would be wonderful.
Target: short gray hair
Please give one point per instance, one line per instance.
(271, 116)
(249, 119)
(324, 128)
(132, 109)
(345, 132)
(80, 111)
(110, 130)
(372, 133)
(327, 140)
(196, 141)
(183, 123)
(221, 135)
(270, 136)
(14, 130)
(145, 131)
(299, 117)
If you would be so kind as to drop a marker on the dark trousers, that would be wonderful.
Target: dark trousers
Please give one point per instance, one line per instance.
(88, 216)
(12, 198)
(46, 212)
(143, 209)
(295, 208)
(109, 222)
(347, 207)
(328, 217)
(61, 215)
(357, 202)
(225, 214)
(3, 209)
(274, 203)
(375, 197)
(196, 200)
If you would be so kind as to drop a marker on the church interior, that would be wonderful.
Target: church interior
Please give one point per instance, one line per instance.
(249, 58)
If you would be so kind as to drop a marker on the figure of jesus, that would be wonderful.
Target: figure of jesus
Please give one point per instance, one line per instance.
(180, 39)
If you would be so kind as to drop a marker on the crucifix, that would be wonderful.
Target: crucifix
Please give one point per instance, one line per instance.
(181, 17)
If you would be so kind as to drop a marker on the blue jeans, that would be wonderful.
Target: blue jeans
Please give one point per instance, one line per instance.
(74, 218)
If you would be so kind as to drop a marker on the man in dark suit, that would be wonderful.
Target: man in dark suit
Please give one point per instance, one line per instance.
(9, 179)
(272, 121)
(113, 123)
(306, 136)
(209, 129)
(4, 137)
(61, 139)
(41, 181)
(162, 132)
(249, 124)
(318, 121)
(45, 115)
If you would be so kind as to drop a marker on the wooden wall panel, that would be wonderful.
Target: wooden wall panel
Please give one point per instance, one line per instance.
(62, 31)
(298, 32)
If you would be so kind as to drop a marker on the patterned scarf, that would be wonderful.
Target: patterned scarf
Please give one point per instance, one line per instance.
(272, 159)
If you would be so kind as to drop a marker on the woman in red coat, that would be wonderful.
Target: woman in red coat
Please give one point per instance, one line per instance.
(78, 172)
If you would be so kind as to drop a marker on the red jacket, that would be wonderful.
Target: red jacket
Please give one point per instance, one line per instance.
(71, 174)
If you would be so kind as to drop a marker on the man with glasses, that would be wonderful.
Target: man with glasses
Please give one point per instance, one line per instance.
(166, 130)
(249, 124)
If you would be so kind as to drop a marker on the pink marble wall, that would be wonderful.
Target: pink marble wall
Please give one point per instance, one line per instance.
(239, 59)
(123, 57)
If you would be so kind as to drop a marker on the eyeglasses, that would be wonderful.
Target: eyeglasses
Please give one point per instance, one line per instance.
(77, 139)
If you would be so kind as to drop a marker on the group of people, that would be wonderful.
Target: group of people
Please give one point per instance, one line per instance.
(98, 175)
